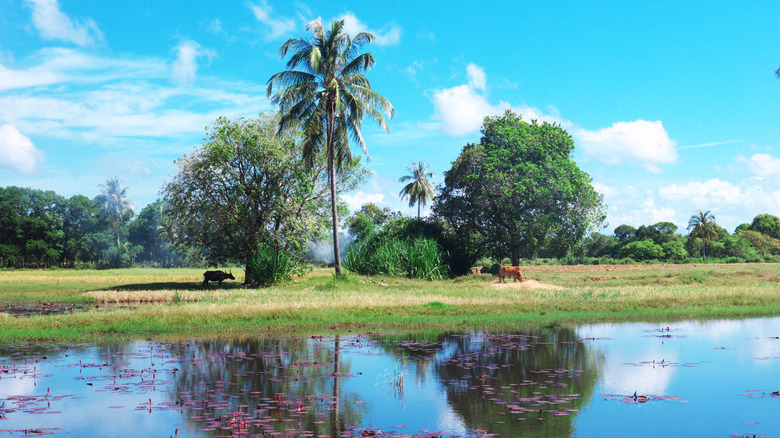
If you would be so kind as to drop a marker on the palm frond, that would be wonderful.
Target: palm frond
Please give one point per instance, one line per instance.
(359, 64)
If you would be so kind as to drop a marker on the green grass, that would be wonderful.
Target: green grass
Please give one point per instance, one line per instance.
(555, 295)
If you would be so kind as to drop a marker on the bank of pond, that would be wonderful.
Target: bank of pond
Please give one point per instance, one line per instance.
(676, 378)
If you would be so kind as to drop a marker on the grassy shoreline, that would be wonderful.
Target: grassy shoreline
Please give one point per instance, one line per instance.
(555, 295)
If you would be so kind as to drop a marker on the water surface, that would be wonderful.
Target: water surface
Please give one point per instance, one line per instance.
(713, 378)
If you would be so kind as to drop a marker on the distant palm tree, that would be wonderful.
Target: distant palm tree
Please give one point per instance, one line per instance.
(420, 190)
(329, 97)
(115, 203)
(703, 225)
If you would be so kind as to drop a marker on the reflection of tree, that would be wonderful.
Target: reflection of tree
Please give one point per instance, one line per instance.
(419, 350)
(493, 380)
(285, 381)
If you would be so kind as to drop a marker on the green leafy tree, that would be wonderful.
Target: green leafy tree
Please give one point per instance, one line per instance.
(674, 250)
(420, 190)
(763, 244)
(369, 219)
(766, 224)
(702, 225)
(324, 91)
(117, 205)
(596, 245)
(643, 250)
(519, 190)
(625, 234)
(244, 187)
(148, 232)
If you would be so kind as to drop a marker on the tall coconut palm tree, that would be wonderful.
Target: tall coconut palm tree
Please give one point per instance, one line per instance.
(703, 225)
(420, 190)
(325, 92)
(115, 202)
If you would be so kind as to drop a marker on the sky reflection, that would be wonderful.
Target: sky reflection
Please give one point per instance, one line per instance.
(711, 378)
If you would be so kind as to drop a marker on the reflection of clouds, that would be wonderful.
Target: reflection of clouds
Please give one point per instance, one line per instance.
(733, 344)
(16, 386)
(628, 344)
(730, 334)
(449, 421)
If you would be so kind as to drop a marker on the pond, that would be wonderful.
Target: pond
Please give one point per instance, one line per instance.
(708, 378)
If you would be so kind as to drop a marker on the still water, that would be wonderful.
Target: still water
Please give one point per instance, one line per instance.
(708, 378)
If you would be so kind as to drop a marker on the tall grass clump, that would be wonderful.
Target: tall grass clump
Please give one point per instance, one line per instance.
(269, 266)
(379, 254)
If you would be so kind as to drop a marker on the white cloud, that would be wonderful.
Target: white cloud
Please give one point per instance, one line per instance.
(712, 192)
(17, 151)
(278, 27)
(461, 109)
(215, 26)
(477, 77)
(763, 165)
(357, 200)
(60, 65)
(185, 66)
(604, 189)
(643, 142)
(53, 24)
(96, 99)
(391, 34)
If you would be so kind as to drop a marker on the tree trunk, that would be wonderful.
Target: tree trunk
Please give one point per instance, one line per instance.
(515, 256)
(332, 178)
(248, 271)
(418, 210)
(334, 211)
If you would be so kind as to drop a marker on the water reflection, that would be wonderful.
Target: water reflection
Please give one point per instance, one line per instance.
(561, 383)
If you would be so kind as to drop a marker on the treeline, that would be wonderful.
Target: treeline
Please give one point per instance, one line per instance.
(758, 241)
(383, 240)
(41, 229)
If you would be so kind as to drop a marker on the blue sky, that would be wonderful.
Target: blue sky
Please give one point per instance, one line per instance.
(673, 106)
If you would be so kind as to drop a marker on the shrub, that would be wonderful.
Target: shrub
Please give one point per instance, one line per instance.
(674, 251)
(413, 257)
(643, 250)
(269, 265)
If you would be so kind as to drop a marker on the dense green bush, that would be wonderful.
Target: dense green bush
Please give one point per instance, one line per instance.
(381, 254)
(643, 250)
(674, 251)
(269, 266)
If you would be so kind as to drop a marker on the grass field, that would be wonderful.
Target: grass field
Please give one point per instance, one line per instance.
(173, 303)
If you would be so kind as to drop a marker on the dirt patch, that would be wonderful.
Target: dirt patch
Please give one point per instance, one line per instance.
(600, 268)
(528, 284)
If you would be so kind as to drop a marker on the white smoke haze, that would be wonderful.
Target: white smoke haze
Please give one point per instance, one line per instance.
(323, 251)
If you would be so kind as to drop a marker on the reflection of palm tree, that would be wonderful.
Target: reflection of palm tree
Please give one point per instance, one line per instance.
(115, 202)
(329, 97)
(703, 225)
(419, 190)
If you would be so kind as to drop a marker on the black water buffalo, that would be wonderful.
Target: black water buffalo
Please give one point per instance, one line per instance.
(216, 276)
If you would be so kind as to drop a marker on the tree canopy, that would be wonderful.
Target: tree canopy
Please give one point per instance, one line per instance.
(419, 190)
(244, 187)
(702, 225)
(519, 190)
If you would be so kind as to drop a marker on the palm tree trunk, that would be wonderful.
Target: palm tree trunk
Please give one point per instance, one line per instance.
(334, 211)
(332, 178)
(418, 209)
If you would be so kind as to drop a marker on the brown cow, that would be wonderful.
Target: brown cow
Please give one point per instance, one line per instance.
(510, 271)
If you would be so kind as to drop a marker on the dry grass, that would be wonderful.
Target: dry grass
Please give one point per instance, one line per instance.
(318, 299)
